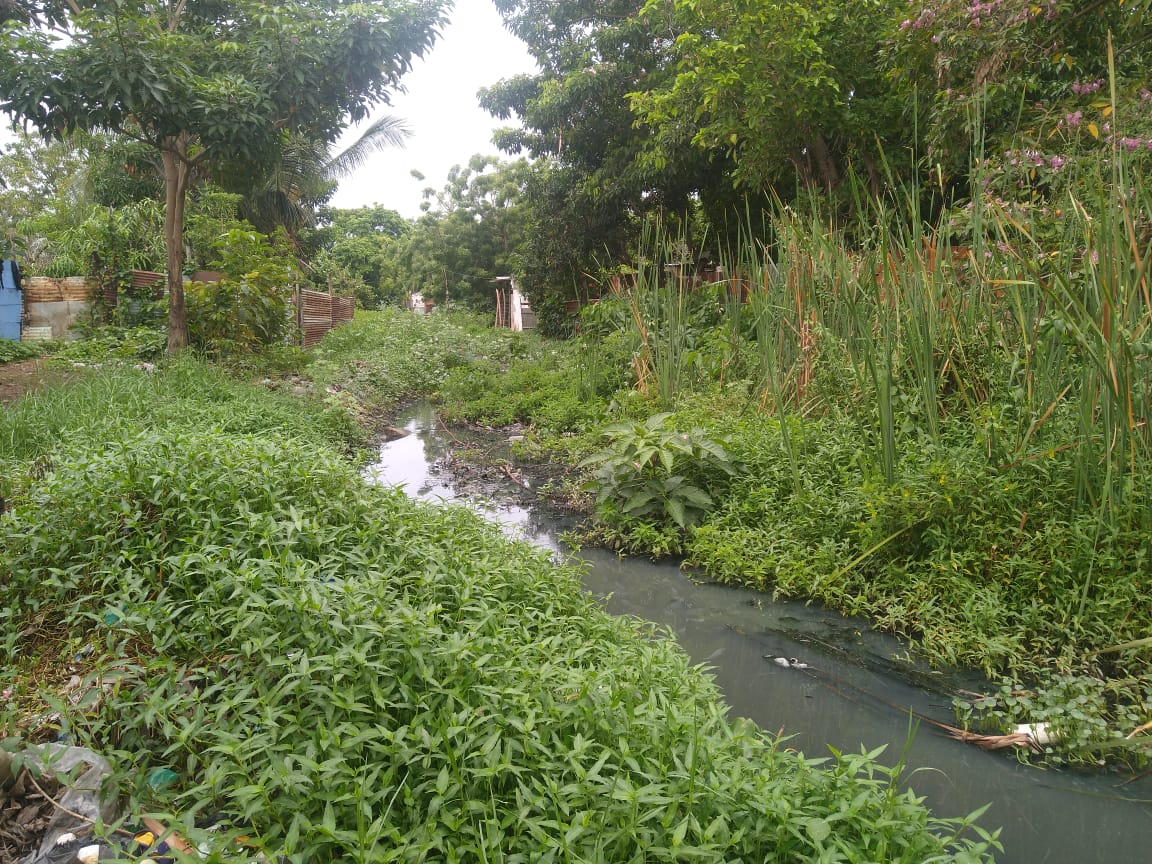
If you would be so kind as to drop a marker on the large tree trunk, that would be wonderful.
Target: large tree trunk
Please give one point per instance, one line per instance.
(174, 153)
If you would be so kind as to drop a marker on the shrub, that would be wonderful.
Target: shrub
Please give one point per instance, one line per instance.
(651, 471)
(250, 307)
(10, 351)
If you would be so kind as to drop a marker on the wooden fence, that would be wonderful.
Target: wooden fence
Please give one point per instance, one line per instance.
(317, 313)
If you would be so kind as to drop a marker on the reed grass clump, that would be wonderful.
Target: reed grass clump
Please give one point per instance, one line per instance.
(945, 426)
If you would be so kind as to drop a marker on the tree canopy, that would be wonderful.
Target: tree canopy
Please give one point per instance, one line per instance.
(792, 90)
(206, 80)
(473, 230)
(593, 175)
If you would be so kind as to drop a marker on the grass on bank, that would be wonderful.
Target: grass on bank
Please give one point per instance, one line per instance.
(952, 436)
(341, 674)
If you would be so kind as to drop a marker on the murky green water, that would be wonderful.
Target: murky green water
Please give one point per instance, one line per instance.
(856, 691)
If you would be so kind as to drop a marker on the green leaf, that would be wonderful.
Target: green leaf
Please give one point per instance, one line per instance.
(818, 830)
(697, 496)
(656, 421)
(638, 500)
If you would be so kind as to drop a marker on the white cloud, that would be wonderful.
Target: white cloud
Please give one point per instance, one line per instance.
(441, 108)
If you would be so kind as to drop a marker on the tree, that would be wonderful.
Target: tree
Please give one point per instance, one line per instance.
(1025, 64)
(793, 91)
(40, 180)
(360, 248)
(303, 173)
(205, 80)
(472, 232)
(595, 173)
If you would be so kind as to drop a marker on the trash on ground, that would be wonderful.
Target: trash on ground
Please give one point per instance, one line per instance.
(49, 802)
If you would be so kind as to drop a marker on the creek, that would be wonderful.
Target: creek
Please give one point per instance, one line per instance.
(856, 688)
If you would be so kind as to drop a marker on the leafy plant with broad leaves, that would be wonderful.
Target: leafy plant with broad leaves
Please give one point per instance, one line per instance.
(249, 307)
(338, 674)
(650, 470)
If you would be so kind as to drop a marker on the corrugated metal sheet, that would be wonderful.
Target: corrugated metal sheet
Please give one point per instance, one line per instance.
(317, 313)
(42, 289)
(147, 278)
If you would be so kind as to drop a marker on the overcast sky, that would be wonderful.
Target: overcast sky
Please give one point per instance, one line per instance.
(440, 106)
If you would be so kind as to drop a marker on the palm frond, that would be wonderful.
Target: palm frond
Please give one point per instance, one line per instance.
(386, 131)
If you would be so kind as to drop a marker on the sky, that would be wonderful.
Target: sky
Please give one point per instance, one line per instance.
(442, 111)
(440, 107)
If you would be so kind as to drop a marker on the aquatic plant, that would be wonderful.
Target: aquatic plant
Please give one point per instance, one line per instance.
(1078, 719)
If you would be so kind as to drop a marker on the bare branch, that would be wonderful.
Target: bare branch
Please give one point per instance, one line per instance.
(199, 158)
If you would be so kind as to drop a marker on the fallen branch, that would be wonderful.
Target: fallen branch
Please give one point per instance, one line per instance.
(64, 809)
(507, 469)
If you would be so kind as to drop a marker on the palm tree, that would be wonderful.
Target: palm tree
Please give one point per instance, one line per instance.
(304, 174)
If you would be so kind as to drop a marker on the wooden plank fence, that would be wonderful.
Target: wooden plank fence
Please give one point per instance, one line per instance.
(318, 312)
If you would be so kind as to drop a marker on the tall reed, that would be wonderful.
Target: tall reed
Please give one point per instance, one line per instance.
(659, 304)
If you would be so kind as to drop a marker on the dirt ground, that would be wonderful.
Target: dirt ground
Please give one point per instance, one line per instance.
(16, 379)
(24, 814)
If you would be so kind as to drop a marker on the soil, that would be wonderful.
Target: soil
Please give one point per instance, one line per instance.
(24, 815)
(16, 379)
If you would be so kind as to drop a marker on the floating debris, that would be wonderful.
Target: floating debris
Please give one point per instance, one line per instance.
(789, 663)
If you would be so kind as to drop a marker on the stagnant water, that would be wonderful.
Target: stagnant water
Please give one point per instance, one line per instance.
(855, 692)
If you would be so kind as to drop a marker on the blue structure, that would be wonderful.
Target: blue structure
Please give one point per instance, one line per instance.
(11, 301)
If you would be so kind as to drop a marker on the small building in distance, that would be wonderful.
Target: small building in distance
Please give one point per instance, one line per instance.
(513, 311)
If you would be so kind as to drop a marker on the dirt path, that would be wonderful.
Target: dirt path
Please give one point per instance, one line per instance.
(16, 379)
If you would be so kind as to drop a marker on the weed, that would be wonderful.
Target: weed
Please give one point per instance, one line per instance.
(11, 352)
(1078, 719)
(346, 675)
(652, 472)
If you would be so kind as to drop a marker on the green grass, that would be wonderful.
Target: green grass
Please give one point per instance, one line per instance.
(342, 674)
(118, 401)
(13, 352)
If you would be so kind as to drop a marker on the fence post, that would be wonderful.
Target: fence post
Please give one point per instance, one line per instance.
(299, 298)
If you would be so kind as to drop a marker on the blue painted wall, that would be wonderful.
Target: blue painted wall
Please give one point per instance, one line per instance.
(11, 304)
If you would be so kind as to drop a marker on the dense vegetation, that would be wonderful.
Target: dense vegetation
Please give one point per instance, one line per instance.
(339, 673)
(915, 385)
(644, 107)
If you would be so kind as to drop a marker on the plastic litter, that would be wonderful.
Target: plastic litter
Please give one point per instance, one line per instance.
(1040, 733)
(82, 797)
(161, 778)
(789, 663)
